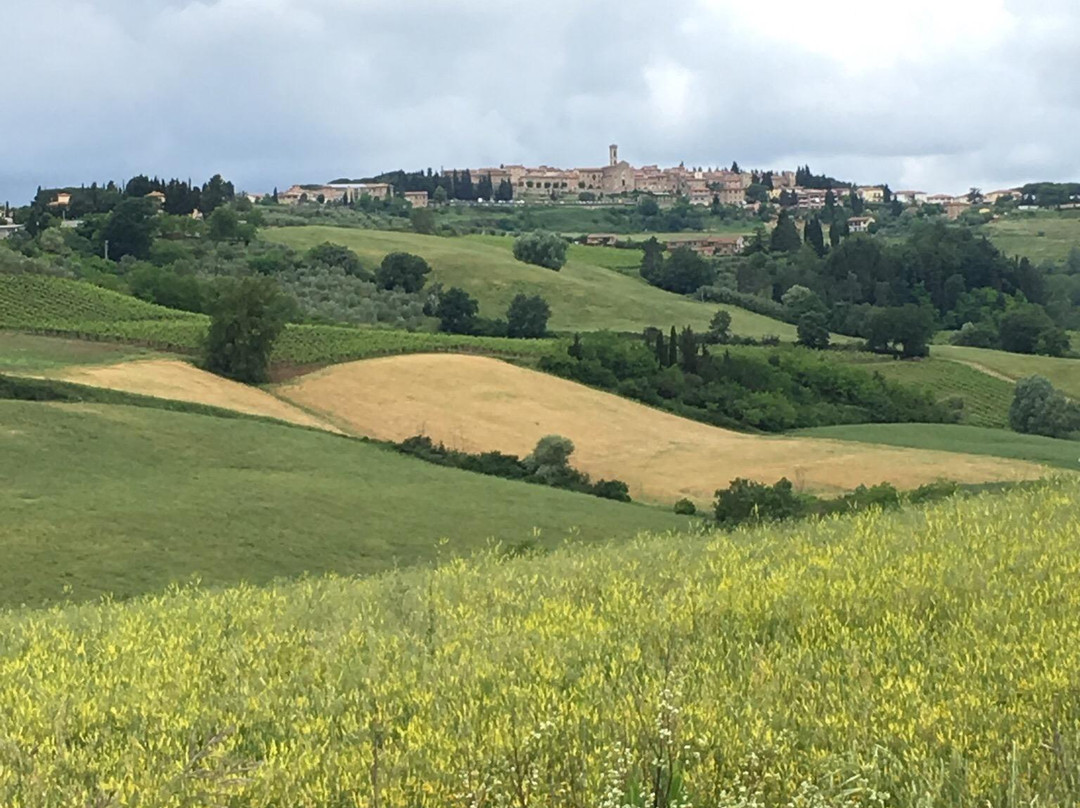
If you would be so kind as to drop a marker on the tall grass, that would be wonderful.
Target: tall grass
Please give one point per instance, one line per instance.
(916, 659)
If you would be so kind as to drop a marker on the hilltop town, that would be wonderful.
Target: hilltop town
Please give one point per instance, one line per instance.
(620, 181)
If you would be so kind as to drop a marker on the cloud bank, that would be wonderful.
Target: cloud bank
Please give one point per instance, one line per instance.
(927, 94)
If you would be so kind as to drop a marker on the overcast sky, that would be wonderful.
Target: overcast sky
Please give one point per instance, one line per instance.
(935, 95)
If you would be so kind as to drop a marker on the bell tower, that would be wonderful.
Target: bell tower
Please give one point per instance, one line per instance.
(613, 154)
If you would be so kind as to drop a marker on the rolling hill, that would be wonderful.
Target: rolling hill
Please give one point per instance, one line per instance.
(583, 296)
(958, 438)
(61, 306)
(1063, 372)
(909, 659)
(101, 499)
(479, 404)
(1043, 236)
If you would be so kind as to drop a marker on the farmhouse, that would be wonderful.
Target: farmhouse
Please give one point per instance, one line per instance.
(601, 239)
(860, 224)
(710, 245)
(418, 199)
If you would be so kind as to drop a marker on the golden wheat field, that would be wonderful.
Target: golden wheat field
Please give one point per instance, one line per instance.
(174, 379)
(481, 404)
(910, 659)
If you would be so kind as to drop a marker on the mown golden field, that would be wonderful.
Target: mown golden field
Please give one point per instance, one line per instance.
(921, 658)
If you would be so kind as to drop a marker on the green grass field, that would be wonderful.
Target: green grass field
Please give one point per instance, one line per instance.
(99, 499)
(28, 353)
(1064, 373)
(959, 438)
(893, 660)
(583, 296)
(1044, 236)
(986, 398)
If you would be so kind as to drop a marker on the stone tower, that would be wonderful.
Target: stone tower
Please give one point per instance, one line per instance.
(613, 154)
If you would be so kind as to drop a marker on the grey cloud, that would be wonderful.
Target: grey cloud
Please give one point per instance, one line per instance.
(271, 92)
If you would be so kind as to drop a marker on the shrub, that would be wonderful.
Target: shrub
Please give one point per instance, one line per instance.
(750, 501)
(404, 271)
(685, 507)
(813, 330)
(976, 335)
(612, 489)
(457, 311)
(542, 249)
(527, 317)
(337, 255)
(1040, 409)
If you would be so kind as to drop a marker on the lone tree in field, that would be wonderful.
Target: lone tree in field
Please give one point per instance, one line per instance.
(457, 311)
(542, 249)
(527, 317)
(813, 330)
(247, 319)
(404, 271)
(1040, 409)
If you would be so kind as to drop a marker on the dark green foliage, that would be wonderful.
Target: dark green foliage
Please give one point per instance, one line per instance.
(1040, 409)
(422, 221)
(785, 236)
(549, 464)
(246, 320)
(527, 317)
(1028, 329)
(748, 388)
(337, 255)
(719, 328)
(652, 262)
(129, 229)
(906, 330)
(215, 193)
(685, 507)
(404, 271)
(750, 502)
(457, 311)
(684, 271)
(976, 335)
(815, 236)
(223, 224)
(542, 249)
(169, 288)
(813, 330)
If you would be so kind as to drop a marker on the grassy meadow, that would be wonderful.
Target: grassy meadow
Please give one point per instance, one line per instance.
(584, 296)
(31, 354)
(958, 438)
(102, 499)
(1043, 236)
(911, 659)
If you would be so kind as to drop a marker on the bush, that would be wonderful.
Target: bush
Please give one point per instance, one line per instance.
(976, 335)
(685, 507)
(683, 272)
(813, 330)
(527, 317)
(337, 255)
(1039, 409)
(750, 501)
(404, 271)
(457, 311)
(542, 249)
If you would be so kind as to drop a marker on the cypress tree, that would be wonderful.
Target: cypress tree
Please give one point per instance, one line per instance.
(815, 237)
(673, 348)
(661, 350)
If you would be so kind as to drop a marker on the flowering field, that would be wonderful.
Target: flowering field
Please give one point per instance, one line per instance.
(924, 658)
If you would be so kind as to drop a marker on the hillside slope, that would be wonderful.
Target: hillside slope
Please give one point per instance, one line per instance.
(895, 659)
(476, 403)
(171, 378)
(583, 296)
(112, 499)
